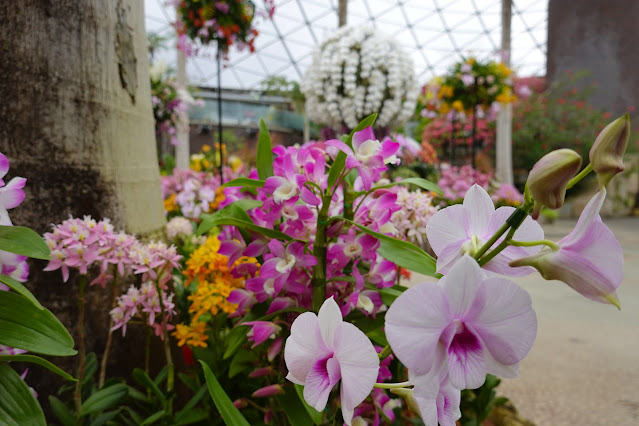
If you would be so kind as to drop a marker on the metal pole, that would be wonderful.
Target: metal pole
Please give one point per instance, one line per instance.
(219, 111)
(504, 166)
(342, 12)
(182, 148)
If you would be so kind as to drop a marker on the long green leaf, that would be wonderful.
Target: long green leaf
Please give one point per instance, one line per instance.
(336, 169)
(422, 183)
(229, 412)
(234, 340)
(181, 415)
(153, 418)
(17, 404)
(236, 210)
(61, 411)
(264, 153)
(409, 259)
(24, 241)
(104, 398)
(19, 288)
(244, 182)
(143, 378)
(40, 361)
(24, 326)
(296, 411)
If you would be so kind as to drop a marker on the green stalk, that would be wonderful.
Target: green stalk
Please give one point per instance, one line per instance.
(392, 385)
(385, 352)
(582, 174)
(488, 244)
(514, 222)
(109, 342)
(170, 378)
(548, 243)
(77, 393)
(319, 251)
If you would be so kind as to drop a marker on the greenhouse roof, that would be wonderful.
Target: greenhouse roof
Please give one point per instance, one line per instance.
(436, 33)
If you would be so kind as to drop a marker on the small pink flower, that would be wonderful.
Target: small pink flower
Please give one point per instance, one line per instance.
(322, 350)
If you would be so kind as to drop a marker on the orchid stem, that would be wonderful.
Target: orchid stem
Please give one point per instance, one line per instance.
(385, 352)
(392, 385)
(319, 251)
(548, 243)
(109, 342)
(77, 393)
(484, 260)
(167, 351)
(582, 174)
(488, 244)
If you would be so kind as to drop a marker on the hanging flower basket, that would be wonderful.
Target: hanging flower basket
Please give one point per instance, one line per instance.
(226, 22)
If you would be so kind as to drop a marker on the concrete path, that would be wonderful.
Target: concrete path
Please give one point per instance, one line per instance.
(584, 367)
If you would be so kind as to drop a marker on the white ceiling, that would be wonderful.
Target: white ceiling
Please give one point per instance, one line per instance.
(436, 32)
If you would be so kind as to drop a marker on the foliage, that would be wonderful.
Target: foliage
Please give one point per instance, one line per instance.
(558, 117)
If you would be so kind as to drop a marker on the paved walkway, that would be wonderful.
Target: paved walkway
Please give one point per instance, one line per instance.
(584, 367)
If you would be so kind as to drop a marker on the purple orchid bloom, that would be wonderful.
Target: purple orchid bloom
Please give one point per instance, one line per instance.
(589, 259)
(368, 155)
(466, 324)
(463, 228)
(261, 331)
(322, 350)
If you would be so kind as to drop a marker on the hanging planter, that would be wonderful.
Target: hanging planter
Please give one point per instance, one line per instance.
(225, 22)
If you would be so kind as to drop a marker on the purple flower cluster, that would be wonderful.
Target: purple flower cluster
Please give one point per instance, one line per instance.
(291, 200)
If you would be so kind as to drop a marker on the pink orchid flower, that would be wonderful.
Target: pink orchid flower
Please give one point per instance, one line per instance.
(261, 331)
(368, 155)
(467, 324)
(589, 259)
(463, 228)
(322, 350)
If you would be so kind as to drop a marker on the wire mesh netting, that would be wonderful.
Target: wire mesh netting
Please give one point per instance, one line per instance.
(436, 32)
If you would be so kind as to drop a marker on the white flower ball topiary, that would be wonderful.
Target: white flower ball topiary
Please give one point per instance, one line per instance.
(357, 72)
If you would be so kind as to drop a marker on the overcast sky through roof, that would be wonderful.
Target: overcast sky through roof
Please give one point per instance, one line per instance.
(435, 32)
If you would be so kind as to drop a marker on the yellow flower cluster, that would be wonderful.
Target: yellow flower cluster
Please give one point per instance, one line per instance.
(170, 205)
(506, 96)
(214, 284)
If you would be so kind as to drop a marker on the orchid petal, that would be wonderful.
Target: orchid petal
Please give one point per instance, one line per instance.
(414, 323)
(323, 375)
(363, 136)
(330, 318)
(447, 226)
(461, 284)
(359, 365)
(481, 207)
(303, 347)
(508, 329)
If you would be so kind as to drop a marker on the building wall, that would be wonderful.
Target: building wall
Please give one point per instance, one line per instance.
(599, 36)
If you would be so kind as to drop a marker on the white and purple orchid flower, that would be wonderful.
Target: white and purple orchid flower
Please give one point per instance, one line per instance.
(467, 324)
(463, 228)
(322, 350)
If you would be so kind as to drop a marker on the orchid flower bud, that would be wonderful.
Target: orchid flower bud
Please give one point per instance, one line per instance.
(409, 397)
(606, 154)
(549, 177)
(269, 390)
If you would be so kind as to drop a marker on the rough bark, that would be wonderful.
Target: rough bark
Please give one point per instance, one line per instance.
(76, 121)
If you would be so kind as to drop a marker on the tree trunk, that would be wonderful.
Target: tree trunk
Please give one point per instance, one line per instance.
(76, 121)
